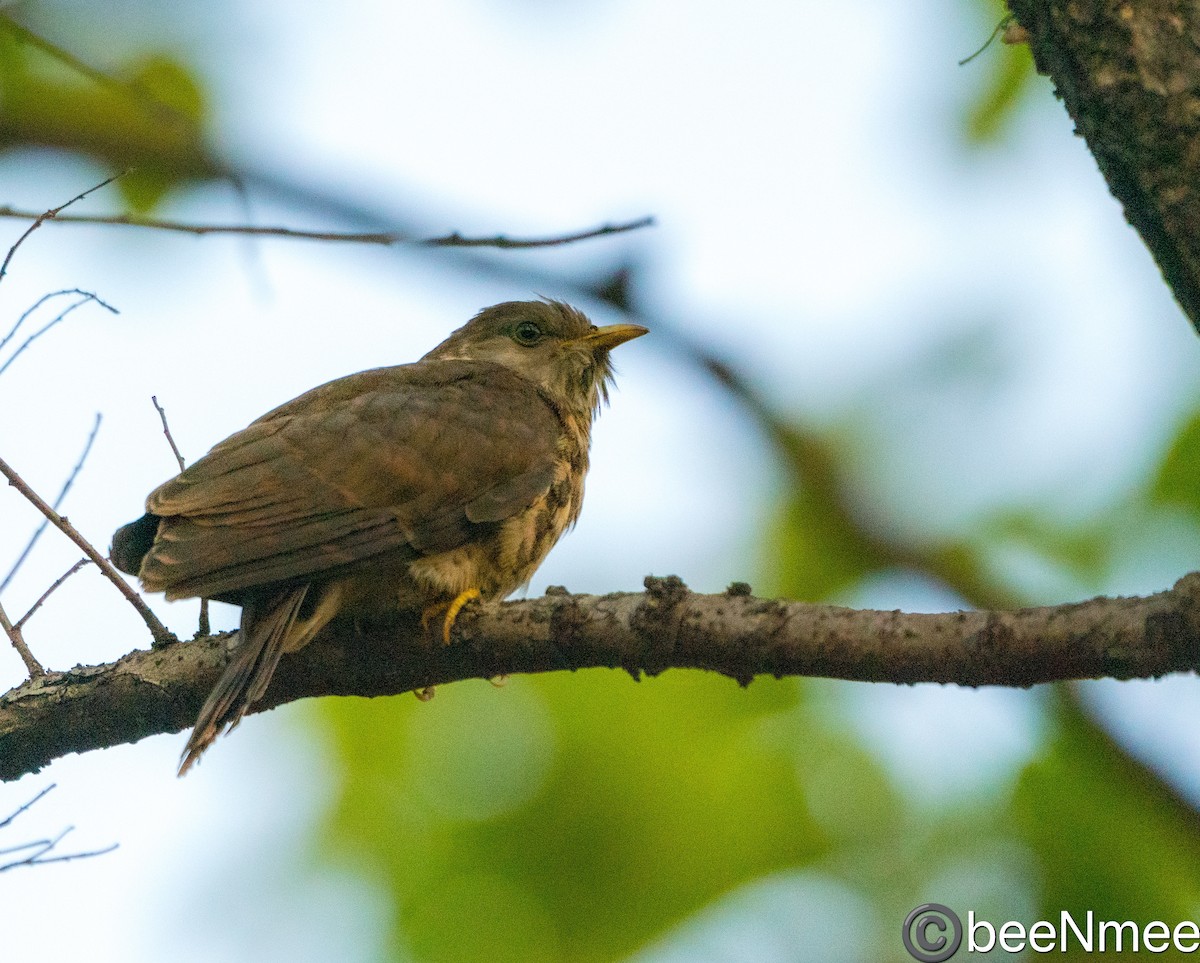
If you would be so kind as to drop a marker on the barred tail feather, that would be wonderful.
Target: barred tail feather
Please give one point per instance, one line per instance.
(263, 637)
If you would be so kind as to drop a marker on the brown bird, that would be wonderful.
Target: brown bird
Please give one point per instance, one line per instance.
(419, 486)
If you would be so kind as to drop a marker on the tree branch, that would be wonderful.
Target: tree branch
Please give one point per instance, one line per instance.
(38, 848)
(1129, 75)
(17, 638)
(160, 633)
(385, 238)
(735, 634)
(56, 504)
(40, 219)
(54, 587)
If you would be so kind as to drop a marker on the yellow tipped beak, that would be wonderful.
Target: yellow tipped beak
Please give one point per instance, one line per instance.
(611, 335)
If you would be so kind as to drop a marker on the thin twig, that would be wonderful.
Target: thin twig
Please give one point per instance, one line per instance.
(162, 416)
(88, 854)
(384, 238)
(62, 494)
(32, 665)
(40, 219)
(1000, 28)
(29, 805)
(42, 846)
(87, 296)
(47, 845)
(42, 300)
(204, 627)
(159, 632)
(501, 241)
(50, 591)
(12, 333)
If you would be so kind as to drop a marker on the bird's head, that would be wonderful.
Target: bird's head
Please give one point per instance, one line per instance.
(550, 343)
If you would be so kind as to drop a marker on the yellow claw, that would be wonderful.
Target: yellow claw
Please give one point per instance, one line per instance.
(456, 607)
(452, 611)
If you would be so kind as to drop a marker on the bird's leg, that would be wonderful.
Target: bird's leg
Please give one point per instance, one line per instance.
(452, 610)
(455, 607)
(451, 614)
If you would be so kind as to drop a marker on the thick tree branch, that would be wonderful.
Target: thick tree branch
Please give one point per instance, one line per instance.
(1129, 75)
(736, 634)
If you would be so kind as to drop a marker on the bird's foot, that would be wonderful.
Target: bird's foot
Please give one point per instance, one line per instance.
(426, 693)
(452, 611)
(499, 681)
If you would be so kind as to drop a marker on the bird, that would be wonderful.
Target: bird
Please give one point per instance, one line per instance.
(418, 486)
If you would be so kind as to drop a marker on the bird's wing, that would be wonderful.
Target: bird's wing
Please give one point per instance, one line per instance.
(406, 459)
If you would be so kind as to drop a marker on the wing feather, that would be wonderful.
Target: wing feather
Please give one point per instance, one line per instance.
(407, 460)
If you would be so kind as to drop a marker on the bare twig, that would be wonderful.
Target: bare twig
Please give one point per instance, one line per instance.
(62, 494)
(162, 416)
(204, 627)
(87, 296)
(7, 821)
(384, 238)
(37, 304)
(1000, 28)
(159, 632)
(12, 333)
(32, 665)
(45, 846)
(501, 241)
(51, 590)
(42, 846)
(40, 219)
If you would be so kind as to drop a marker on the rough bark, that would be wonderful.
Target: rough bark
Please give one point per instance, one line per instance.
(736, 634)
(1128, 72)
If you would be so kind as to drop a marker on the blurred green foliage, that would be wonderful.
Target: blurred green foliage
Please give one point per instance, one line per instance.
(1175, 484)
(148, 118)
(1110, 836)
(1009, 77)
(566, 817)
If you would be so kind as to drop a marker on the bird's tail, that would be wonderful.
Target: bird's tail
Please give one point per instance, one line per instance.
(267, 631)
(131, 543)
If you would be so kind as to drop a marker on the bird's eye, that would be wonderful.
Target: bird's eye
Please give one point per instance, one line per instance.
(527, 333)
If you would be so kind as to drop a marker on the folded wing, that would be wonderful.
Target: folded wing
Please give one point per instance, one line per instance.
(406, 460)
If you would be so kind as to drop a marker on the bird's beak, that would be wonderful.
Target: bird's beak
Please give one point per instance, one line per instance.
(611, 335)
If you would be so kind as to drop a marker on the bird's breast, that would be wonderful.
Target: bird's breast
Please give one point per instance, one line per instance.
(505, 556)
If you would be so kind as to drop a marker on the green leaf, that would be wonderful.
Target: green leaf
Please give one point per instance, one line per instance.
(1011, 73)
(149, 117)
(1176, 484)
(159, 80)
